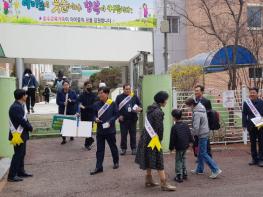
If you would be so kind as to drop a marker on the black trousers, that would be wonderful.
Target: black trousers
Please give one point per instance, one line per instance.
(31, 99)
(65, 138)
(209, 152)
(256, 135)
(89, 141)
(128, 127)
(17, 163)
(111, 140)
(47, 98)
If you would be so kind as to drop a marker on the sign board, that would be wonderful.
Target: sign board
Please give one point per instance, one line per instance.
(73, 128)
(229, 99)
(58, 120)
(114, 13)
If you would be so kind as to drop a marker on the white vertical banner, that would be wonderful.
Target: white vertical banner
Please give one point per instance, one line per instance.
(174, 99)
(229, 99)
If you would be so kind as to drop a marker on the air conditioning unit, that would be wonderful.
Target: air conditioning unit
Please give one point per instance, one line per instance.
(255, 72)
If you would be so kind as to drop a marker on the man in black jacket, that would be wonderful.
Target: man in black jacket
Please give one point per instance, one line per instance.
(19, 127)
(180, 139)
(106, 113)
(199, 91)
(66, 101)
(128, 105)
(86, 101)
(255, 134)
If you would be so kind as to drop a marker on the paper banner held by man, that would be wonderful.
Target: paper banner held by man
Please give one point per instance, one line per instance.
(75, 128)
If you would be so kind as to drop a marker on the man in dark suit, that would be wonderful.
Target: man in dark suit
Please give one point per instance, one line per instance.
(106, 113)
(255, 134)
(66, 101)
(199, 91)
(19, 129)
(128, 105)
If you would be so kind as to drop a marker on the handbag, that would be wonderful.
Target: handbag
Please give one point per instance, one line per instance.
(26, 87)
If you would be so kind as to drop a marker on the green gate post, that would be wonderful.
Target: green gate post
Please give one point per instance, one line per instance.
(7, 88)
(150, 86)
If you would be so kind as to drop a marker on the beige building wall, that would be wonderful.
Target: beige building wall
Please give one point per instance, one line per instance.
(197, 40)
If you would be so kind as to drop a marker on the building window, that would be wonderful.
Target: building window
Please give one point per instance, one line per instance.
(174, 22)
(254, 16)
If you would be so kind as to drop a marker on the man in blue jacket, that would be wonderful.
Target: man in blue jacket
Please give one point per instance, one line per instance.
(106, 113)
(19, 127)
(66, 101)
(255, 134)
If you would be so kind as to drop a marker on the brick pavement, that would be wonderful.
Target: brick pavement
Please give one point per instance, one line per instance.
(64, 171)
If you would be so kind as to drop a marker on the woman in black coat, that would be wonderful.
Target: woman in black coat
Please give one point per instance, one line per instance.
(30, 84)
(152, 159)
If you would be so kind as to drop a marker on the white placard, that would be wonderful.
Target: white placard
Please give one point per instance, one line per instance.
(258, 121)
(70, 128)
(229, 99)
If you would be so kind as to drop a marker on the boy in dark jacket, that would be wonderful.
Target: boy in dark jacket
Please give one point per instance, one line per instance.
(179, 140)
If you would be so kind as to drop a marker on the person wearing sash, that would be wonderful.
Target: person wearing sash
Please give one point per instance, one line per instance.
(201, 130)
(128, 106)
(149, 154)
(253, 107)
(86, 101)
(106, 113)
(18, 136)
(66, 101)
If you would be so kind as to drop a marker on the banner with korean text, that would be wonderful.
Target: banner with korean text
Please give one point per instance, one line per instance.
(114, 13)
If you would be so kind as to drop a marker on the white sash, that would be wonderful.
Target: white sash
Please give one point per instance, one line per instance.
(124, 102)
(155, 142)
(253, 108)
(149, 128)
(19, 129)
(103, 109)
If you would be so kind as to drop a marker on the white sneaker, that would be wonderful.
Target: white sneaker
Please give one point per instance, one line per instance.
(195, 172)
(214, 175)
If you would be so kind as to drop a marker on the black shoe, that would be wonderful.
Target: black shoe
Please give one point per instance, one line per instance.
(88, 147)
(32, 110)
(116, 166)
(14, 179)
(25, 175)
(63, 142)
(253, 162)
(96, 171)
(260, 163)
(134, 152)
(123, 152)
(178, 178)
(71, 138)
(185, 176)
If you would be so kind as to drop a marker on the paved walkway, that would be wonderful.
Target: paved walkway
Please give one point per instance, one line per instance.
(64, 171)
(50, 108)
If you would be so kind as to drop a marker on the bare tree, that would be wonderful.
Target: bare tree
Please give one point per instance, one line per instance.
(224, 21)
